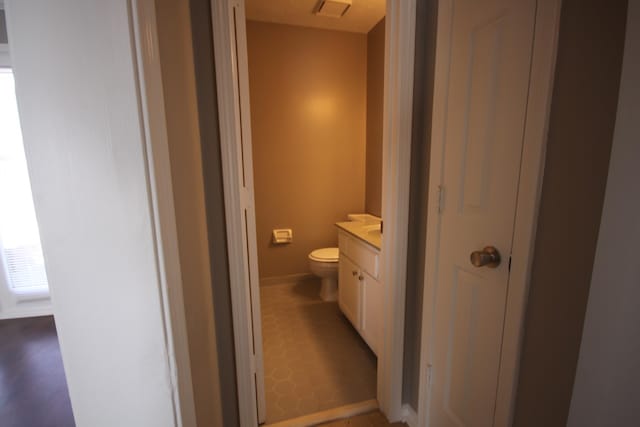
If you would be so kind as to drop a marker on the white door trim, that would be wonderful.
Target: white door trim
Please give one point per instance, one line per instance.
(236, 198)
(399, 62)
(151, 97)
(396, 165)
(529, 189)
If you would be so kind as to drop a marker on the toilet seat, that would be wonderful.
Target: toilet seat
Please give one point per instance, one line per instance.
(325, 255)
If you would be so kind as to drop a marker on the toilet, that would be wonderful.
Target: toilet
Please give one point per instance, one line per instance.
(324, 264)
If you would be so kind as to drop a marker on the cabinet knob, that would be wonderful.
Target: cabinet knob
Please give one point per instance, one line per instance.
(354, 272)
(361, 277)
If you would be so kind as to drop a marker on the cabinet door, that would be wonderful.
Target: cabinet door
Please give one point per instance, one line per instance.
(349, 290)
(372, 315)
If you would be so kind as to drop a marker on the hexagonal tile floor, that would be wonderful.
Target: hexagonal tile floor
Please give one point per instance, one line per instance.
(314, 359)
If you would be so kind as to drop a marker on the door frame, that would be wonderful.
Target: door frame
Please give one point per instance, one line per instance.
(145, 49)
(398, 109)
(544, 52)
(233, 102)
(400, 26)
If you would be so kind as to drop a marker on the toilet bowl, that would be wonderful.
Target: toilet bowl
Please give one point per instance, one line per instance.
(324, 264)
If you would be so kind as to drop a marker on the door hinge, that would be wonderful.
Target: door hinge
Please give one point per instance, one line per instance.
(245, 198)
(429, 375)
(440, 198)
(509, 263)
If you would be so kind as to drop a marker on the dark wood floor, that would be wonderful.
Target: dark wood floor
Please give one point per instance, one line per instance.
(33, 388)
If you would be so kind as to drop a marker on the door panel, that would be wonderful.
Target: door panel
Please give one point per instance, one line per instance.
(473, 347)
(491, 44)
(477, 150)
(349, 290)
(372, 311)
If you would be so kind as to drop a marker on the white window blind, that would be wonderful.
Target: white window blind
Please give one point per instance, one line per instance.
(20, 248)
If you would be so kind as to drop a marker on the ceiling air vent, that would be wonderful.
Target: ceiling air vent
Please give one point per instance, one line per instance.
(333, 8)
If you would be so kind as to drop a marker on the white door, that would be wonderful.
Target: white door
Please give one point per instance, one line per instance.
(244, 157)
(491, 45)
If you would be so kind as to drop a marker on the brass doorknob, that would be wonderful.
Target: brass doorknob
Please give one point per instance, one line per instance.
(488, 257)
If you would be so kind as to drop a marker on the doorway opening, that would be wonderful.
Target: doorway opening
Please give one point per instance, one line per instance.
(24, 290)
(389, 266)
(316, 85)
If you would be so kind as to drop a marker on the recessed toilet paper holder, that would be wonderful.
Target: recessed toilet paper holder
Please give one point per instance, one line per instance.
(282, 236)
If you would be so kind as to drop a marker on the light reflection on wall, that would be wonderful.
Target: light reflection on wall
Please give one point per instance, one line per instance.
(321, 107)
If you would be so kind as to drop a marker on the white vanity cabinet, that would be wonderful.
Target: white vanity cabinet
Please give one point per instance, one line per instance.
(360, 294)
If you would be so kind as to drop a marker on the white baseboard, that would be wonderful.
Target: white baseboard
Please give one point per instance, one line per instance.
(291, 278)
(329, 415)
(17, 313)
(409, 416)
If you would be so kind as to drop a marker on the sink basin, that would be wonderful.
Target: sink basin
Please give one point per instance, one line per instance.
(375, 233)
(372, 230)
(372, 227)
(369, 230)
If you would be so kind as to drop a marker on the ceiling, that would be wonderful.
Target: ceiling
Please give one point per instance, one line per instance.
(360, 18)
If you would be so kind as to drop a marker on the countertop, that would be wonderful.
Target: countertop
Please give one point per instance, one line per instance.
(368, 232)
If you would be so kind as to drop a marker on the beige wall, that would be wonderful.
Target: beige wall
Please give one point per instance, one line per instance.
(308, 119)
(176, 56)
(583, 111)
(375, 111)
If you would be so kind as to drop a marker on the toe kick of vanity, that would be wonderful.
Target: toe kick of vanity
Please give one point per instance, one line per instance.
(360, 292)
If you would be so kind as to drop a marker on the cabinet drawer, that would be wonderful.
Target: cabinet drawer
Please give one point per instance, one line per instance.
(343, 243)
(365, 257)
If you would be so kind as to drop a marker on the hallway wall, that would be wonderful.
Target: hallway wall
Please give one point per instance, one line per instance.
(606, 390)
(581, 125)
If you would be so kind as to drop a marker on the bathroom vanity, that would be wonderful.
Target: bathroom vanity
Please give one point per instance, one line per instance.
(360, 292)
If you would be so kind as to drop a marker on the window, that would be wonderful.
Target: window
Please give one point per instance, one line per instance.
(20, 249)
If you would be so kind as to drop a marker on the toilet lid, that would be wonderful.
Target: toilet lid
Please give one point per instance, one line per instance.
(325, 255)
